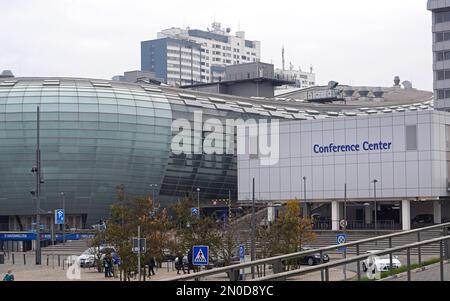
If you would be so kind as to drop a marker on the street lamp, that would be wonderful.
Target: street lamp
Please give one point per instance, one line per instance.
(304, 197)
(153, 187)
(63, 197)
(198, 201)
(375, 201)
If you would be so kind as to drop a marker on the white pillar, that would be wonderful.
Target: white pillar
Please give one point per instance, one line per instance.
(335, 215)
(406, 215)
(437, 212)
(368, 214)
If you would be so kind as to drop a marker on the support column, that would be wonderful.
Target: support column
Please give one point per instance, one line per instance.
(368, 214)
(406, 215)
(335, 216)
(437, 212)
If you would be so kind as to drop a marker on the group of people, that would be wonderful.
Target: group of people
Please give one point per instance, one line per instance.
(111, 265)
(181, 266)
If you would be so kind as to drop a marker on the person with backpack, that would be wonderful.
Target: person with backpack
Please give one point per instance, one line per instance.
(9, 276)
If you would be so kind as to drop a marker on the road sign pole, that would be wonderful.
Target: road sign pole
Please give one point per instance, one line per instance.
(139, 253)
(345, 229)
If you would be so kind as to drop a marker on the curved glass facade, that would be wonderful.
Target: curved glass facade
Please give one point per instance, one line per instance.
(92, 139)
(95, 136)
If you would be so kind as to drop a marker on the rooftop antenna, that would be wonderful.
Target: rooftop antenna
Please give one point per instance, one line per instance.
(282, 55)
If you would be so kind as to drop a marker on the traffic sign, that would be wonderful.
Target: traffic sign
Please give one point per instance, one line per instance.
(341, 239)
(60, 217)
(200, 255)
(195, 211)
(343, 223)
(242, 253)
(135, 248)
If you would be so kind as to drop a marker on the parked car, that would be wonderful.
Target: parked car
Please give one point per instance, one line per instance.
(313, 259)
(87, 259)
(380, 263)
(423, 219)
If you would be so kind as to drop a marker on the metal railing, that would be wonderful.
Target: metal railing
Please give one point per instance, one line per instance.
(277, 262)
(382, 225)
(326, 267)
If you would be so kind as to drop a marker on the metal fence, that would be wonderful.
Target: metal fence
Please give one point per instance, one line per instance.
(386, 225)
(325, 268)
(278, 262)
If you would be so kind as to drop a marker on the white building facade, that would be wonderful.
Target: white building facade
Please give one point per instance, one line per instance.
(219, 48)
(337, 161)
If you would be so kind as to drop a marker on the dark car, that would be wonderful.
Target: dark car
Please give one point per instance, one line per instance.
(313, 259)
(423, 219)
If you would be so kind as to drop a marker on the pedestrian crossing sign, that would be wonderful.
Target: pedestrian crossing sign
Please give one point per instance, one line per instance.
(200, 255)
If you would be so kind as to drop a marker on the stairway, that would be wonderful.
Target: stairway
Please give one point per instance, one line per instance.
(75, 247)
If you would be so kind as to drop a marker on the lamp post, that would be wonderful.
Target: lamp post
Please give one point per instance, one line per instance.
(198, 201)
(63, 197)
(153, 187)
(375, 201)
(304, 197)
(36, 170)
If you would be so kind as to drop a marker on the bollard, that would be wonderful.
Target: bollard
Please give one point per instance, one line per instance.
(327, 275)
(419, 248)
(358, 265)
(63, 264)
(47, 260)
(14, 262)
(441, 251)
(408, 262)
(59, 260)
(24, 259)
(321, 262)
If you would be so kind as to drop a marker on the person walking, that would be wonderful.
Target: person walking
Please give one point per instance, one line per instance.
(9, 276)
(190, 265)
(151, 266)
(179, 265)
(107, 263)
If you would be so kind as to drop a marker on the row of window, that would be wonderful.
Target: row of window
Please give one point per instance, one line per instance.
(443, 94)
(442, 74)
(442, 36)
(442, 17)
(443, 55)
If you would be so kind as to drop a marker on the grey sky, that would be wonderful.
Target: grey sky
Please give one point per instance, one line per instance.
(358, 42)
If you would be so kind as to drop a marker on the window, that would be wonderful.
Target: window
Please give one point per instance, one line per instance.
(442, 56)
(442, 17)
(443, 75)
(443, 94)
(411, 137)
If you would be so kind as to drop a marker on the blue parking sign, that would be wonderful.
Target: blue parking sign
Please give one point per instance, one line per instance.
(242, 252)
(200, 255)
(59, 217)
(340, 240)
(194, 211)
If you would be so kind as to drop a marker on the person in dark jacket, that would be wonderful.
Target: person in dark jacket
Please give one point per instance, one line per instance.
(179, 265)
(190, 265)
(107, 263)
(151, 266)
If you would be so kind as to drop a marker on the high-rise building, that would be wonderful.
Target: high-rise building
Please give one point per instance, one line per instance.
(441, 52)
(192, 56)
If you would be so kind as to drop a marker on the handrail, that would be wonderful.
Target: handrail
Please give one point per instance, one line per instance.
(299, 254)
(350, 260)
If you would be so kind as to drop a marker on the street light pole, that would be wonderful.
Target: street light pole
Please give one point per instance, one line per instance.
(63, 196)
(345, 227)
(37, 170)
(198, 201)
(253, 230)
(375, 201)
(305, 213)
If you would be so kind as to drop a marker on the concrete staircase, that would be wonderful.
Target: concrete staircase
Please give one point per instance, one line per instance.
(75, 247)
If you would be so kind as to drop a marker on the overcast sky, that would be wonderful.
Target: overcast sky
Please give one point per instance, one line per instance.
(358, 42)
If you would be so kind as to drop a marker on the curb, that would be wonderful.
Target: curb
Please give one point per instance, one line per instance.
(428, 267)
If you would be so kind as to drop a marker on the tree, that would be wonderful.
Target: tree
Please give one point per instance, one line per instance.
(288, 234)
(125, 217)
